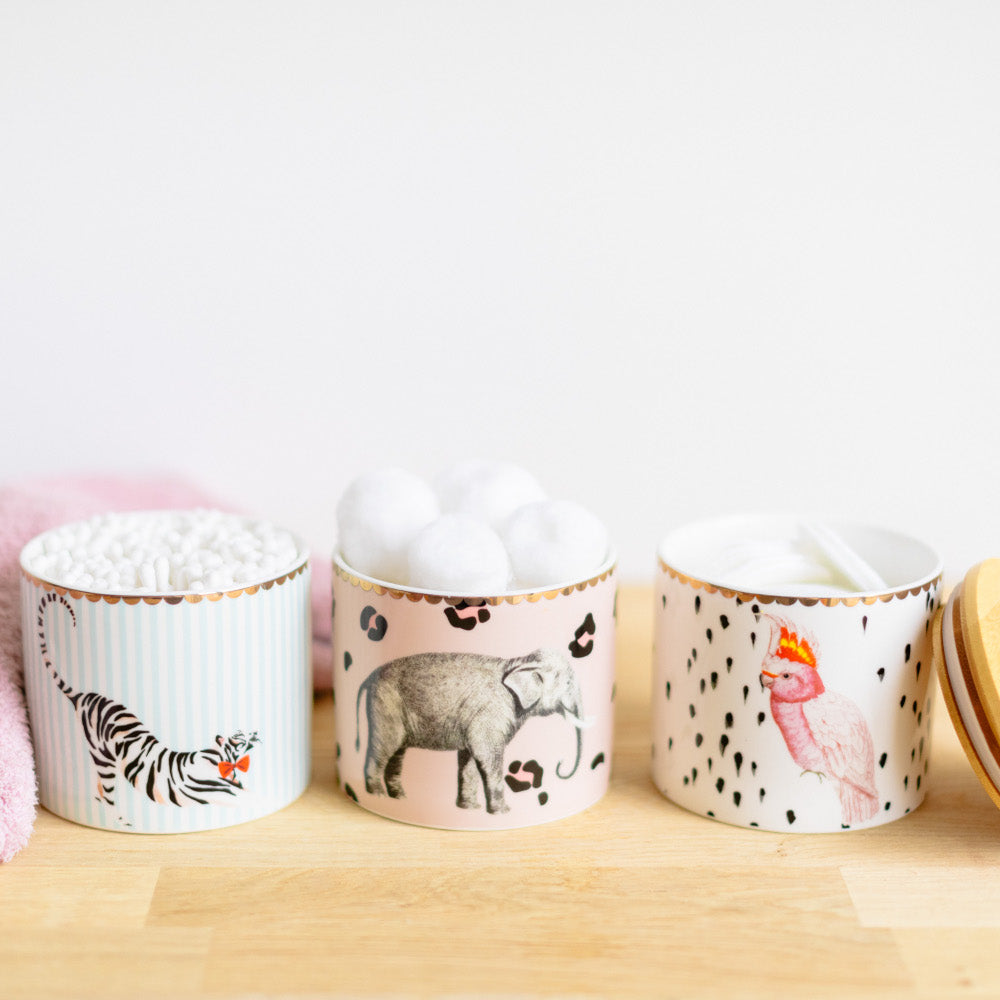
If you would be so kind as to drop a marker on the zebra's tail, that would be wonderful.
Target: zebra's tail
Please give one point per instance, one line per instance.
(50, 597)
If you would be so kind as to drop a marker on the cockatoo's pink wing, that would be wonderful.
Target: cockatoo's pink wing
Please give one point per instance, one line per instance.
(840, 730)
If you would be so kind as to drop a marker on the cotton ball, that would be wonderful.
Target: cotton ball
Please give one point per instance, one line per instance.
(491, 491)
(377, 518)
(553, 542)
(459, 555)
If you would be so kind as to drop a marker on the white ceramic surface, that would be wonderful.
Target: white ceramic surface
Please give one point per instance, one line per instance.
(803, 714)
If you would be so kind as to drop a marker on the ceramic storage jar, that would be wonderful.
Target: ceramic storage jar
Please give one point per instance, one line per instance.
(800, 704)
(474, 712)
(172, 708)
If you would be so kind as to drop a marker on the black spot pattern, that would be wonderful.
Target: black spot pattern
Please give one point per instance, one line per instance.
(724, 646)
(373, 624)
(467, 622)
(582, 645)
(732, 732)
(918, 698)
(530, 767)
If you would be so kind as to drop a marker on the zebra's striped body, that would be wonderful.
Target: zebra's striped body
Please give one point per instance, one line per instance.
(120, 744)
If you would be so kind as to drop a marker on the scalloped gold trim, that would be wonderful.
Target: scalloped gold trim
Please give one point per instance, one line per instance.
(173, 599)
(414, 596)
(808, 602)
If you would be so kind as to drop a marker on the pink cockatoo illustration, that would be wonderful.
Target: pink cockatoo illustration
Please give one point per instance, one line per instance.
(824, 731)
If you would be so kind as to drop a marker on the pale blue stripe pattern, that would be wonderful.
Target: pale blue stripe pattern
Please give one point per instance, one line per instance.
(188, 672)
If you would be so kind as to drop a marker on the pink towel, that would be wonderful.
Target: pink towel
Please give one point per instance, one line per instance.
(29, 508)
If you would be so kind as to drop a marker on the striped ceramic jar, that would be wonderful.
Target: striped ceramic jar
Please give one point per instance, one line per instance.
(169, 713)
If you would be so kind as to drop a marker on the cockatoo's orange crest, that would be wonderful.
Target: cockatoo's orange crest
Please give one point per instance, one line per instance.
(791, 648)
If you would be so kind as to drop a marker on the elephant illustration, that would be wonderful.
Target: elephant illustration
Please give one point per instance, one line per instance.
(466, 702)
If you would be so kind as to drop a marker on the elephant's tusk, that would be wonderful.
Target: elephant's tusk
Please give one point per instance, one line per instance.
(580, 723)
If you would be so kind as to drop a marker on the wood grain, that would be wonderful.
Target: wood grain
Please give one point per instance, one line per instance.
(633, 898)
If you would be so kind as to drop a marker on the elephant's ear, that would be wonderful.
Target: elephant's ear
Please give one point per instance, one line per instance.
(526, 683)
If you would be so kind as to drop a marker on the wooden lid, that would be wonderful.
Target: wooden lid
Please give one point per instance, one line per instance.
(967, 654)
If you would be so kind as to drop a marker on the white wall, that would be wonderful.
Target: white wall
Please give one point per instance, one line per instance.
(678, 259)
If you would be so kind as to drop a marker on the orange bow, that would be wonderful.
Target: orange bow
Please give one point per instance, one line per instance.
(226, 767)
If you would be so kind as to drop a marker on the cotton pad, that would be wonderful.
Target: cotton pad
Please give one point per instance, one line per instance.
(553, 541)
(490, 491)
(814, 560)
(378, 517)
(460, 555)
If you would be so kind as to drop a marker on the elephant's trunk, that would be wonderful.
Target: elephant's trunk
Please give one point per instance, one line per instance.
(579, 748)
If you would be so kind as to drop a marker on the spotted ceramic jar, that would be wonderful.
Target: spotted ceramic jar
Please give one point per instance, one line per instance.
(793, 713)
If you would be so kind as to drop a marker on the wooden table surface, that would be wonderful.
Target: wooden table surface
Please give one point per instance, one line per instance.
(634, 897)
